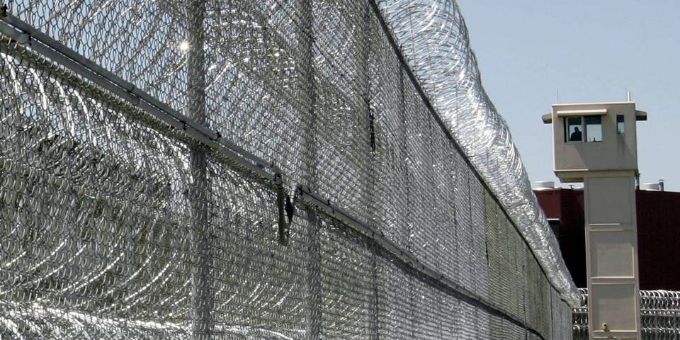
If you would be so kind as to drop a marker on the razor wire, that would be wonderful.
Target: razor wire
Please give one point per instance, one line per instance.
(659, 315)
(242, 170)
(434, 38)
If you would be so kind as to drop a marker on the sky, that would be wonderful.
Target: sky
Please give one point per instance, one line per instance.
(533, 53)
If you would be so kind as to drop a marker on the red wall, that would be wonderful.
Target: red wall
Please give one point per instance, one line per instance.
(567, 206)
(658, 217)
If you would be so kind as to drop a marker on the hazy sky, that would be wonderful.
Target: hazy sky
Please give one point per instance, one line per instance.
(534, 53)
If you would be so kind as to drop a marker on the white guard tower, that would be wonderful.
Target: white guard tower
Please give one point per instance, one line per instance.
(596, 144)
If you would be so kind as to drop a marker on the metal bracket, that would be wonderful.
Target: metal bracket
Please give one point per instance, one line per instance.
(285, 209)
(12, 33)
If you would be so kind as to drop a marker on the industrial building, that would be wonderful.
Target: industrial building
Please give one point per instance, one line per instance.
(658, 221)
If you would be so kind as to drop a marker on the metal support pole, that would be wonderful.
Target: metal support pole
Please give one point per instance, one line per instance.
(306, 36)
(370, 151)
(201, 271)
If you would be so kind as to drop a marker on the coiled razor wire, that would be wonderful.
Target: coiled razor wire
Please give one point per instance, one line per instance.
(659, 315)
(246, 170)
(435, 42)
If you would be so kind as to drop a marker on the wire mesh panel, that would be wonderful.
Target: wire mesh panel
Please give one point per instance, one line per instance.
(392, 191)
(92, 204)
(137, 40)
(424, 230)
(501, 267)
(242, 170)
(479, 252)
(343, 137)
(537, 296)
(560, 317)
(258, 287)
(256, 79)
(463, 219)
(347, 284)
(395, 302)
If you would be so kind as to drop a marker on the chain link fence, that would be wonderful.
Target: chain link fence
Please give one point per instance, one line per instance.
(659, 315)
(242, 170)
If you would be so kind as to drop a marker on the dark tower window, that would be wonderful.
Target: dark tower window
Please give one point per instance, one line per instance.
(620, 124)
(574, 131)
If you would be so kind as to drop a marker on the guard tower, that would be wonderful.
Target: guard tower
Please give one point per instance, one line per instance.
(596, 144)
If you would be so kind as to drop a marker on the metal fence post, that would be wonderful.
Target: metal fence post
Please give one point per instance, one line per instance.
(306, 36)
(372, 149)
(201, 275)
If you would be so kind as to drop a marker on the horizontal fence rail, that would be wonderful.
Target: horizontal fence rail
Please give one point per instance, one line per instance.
(261, 170)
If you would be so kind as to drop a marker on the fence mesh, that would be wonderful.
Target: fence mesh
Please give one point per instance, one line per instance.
(116, 225)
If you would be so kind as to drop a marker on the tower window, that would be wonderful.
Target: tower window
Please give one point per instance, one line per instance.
(574, 131)
(620, 124)
(583, 129)
(593, 128)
